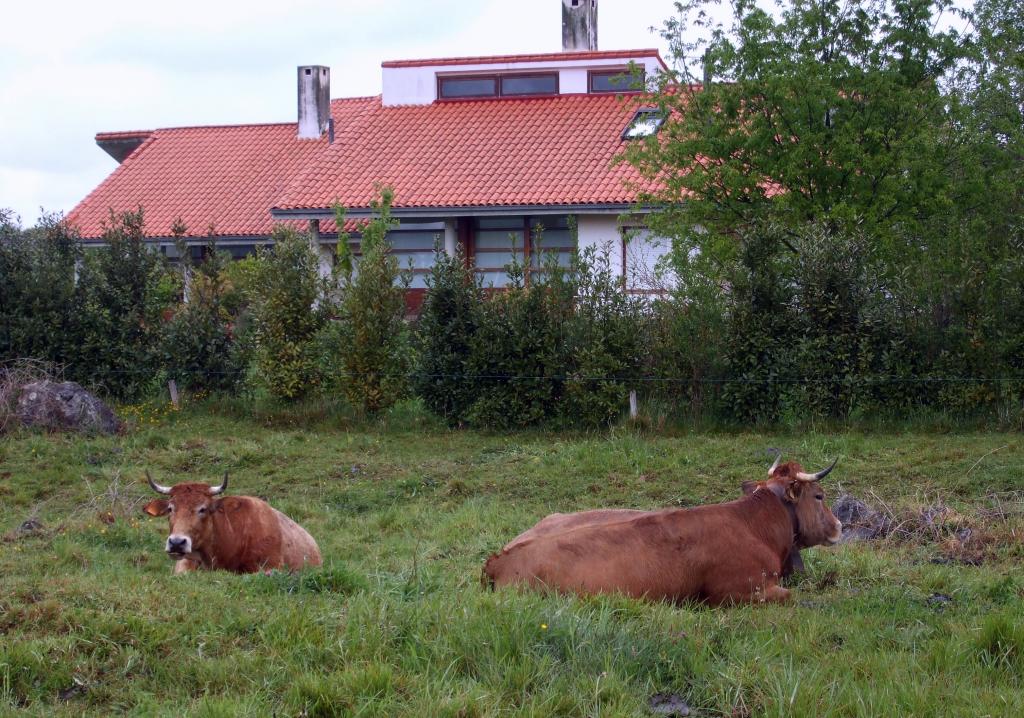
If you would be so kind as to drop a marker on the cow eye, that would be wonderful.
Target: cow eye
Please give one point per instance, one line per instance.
(201, 510)
(820, 497)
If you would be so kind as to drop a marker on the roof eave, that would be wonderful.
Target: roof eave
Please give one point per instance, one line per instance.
(464, 211)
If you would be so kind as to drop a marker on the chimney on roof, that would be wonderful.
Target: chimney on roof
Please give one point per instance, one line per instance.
(579, 25)
(314, 101)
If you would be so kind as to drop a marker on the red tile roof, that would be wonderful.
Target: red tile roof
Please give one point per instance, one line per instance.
(545, 57)
(225, 177)
(475, 153)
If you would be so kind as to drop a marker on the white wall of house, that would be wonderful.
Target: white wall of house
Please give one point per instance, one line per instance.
(326, 259)
(417, 84)
(601, 231)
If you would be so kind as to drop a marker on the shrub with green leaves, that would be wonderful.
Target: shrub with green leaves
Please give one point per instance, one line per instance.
(199, 348)
(374, 344)
(518, 354)
(37, 286)
(289, 308)
(124, 290)
(603, 343)
(445, 329)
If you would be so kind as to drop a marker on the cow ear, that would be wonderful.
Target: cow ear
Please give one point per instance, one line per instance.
(749, 487)
(793, 491)
(157, 507)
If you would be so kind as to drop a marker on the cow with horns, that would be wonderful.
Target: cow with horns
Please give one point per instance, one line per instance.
(722, 553)
(235, 533)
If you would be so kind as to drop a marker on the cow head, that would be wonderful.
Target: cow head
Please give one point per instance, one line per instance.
(189, 508)
(803, 495)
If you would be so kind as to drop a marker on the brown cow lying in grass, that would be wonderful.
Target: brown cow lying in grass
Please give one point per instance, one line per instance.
(235, 533)
(722, 553)
(559, 523)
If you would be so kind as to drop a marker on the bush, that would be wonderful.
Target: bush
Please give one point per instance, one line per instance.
(123, 292)
(517, 356)
(199, 347)
(373, 340)
(759, 326)
(445, 330)
(37, 286)
(603, 343)
(289, 308)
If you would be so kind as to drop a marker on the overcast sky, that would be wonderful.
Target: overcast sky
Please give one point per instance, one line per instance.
(72, 68)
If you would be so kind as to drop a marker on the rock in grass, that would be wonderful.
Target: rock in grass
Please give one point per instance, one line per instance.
(860, 521)
(65, 406)
(668, 704)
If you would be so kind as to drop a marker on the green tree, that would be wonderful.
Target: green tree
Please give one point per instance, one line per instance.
(444, 330)
(289, 308)
(37, 285)
(374, 342)
(123, 292)
(199, 342)
(830, 112)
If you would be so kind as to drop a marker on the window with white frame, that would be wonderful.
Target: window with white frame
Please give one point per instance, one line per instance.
(645, 258)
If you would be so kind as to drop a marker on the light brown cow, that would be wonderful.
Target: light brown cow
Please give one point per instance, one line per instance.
(235, 533)
(559, 523)
(722, 553)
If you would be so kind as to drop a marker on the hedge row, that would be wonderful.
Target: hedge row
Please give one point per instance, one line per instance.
(822, 334)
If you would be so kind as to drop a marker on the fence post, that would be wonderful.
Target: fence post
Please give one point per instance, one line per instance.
(632, 404)
(172, 387)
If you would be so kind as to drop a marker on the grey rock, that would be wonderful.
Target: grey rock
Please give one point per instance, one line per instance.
(65, 406)
(860, 521)
(668, 704)
(30, 526)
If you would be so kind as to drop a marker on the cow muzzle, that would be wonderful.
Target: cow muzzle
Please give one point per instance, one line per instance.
(178, 546)
(838, 535)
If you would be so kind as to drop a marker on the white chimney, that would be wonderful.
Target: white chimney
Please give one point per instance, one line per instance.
(579, 25)
(314, 101)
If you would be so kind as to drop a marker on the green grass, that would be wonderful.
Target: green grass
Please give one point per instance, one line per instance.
(395, 623)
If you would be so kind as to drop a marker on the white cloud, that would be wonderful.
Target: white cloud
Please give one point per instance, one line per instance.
(70, 69)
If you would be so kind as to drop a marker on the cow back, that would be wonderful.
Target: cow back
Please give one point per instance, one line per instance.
(298, 548)
(246, 536)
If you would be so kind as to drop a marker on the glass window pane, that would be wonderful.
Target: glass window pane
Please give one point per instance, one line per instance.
(553, 221)
(643, 124)
(617, 81)
(499, 223)
(468, 87)
(539, 259)
(418, 260)
(495, 260)
(529, 85)
(412, 240)
(499, 239)
(552, 238)
(644, 265)
(419, 281)
(496, 278)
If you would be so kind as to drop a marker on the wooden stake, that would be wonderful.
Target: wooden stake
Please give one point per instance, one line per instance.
(173, 388)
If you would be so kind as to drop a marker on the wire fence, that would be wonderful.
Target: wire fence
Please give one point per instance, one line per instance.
(626, 378)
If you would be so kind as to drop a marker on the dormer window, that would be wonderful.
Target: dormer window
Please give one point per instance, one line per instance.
(644, 124)
(457, 87)
(519, 85)
(621, 80)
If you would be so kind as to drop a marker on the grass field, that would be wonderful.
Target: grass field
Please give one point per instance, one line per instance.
(920, 623)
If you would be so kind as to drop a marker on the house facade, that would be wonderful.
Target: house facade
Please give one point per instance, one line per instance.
(497, 155)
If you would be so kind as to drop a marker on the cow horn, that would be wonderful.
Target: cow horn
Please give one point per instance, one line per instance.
(775, 465)
(818, 476)
(155, 486)
(214, 490)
